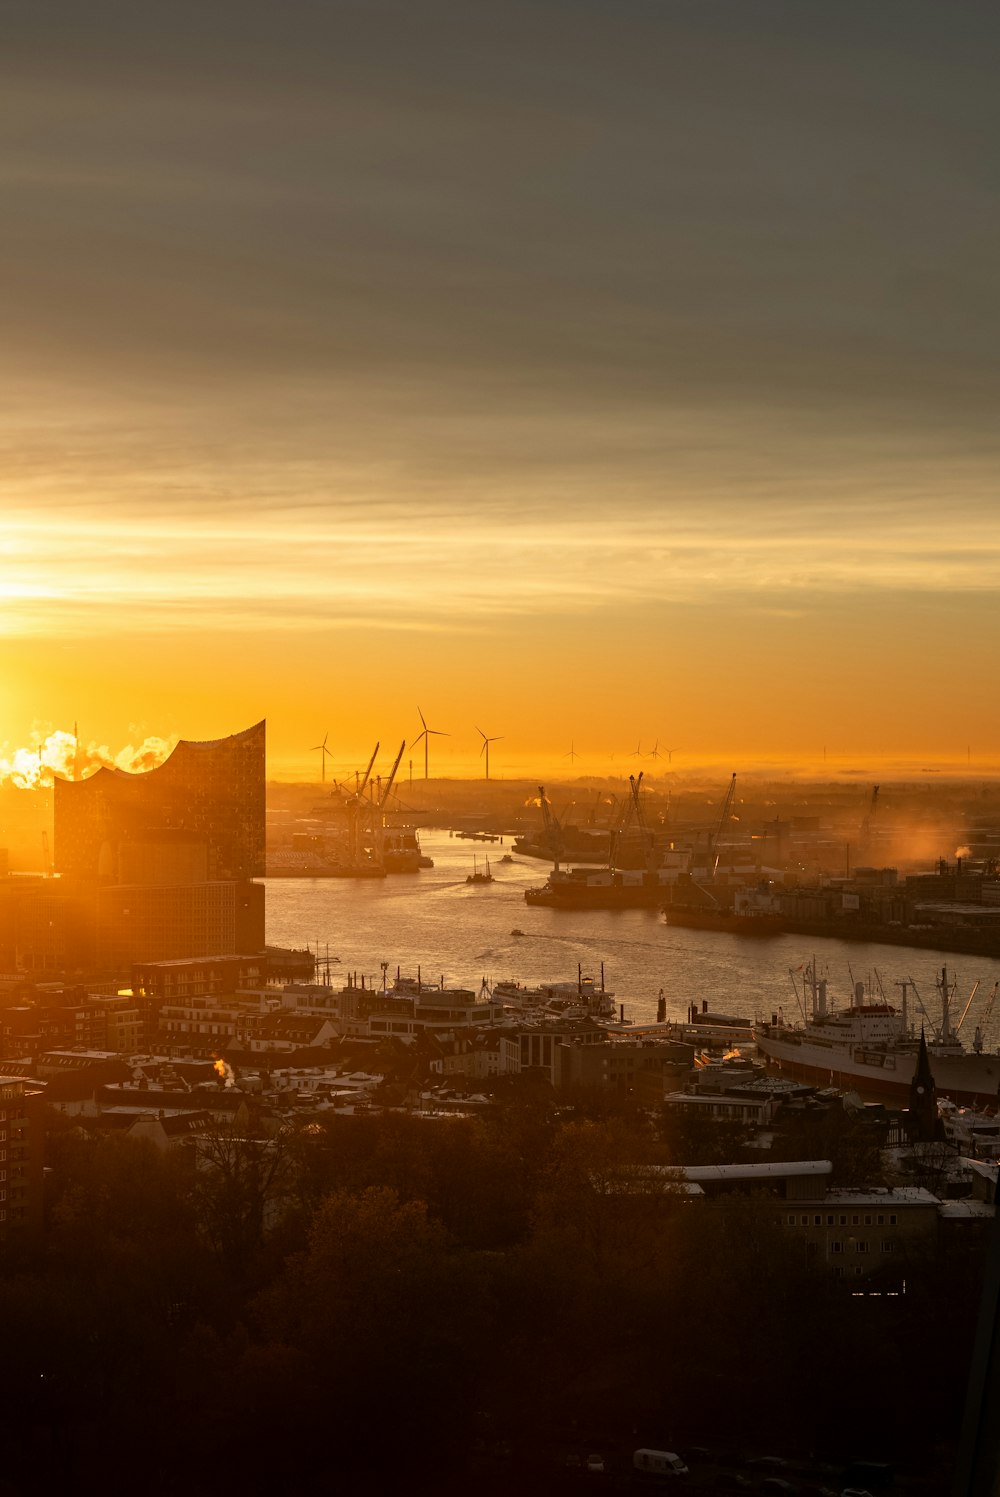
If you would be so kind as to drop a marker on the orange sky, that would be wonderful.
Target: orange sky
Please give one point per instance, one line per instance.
(630, 382)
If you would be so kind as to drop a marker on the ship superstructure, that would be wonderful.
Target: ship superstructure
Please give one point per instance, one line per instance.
(871, 1048)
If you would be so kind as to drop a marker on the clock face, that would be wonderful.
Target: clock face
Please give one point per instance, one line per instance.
(920, 1091)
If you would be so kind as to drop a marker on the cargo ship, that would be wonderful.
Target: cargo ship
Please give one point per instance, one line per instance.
(604, 889)
(870, 1048)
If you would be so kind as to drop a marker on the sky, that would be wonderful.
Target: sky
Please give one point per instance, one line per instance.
(593, 374)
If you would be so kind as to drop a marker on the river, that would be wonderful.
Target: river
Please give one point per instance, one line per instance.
(434, 920)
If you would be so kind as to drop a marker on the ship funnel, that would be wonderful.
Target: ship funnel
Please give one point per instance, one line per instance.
(821, 997)
(859, 993)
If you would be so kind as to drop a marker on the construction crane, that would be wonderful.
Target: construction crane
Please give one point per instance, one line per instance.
(553, 829)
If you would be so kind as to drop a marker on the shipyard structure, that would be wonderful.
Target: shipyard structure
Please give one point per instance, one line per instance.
(149, 867)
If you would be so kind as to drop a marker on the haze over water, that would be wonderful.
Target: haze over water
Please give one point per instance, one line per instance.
(435, 920)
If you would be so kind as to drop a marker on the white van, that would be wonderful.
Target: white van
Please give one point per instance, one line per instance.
(659, 1463)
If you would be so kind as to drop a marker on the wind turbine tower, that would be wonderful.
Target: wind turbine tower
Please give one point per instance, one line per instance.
(486, 747)
(426, 736)
(324, 754)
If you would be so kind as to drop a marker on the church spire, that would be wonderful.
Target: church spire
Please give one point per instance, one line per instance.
(923, 1121)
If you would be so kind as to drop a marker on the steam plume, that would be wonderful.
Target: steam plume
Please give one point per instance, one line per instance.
(35, 766)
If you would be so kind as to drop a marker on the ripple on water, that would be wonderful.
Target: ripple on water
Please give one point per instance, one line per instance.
(435, 921)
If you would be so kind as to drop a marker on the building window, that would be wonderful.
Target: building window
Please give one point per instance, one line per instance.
(829, 1221)
(892, 1220)
(805, 1221)
(838, 1247)
(855, 1221)
(868, 1221)
(862, 1247)
(817, 1221)
(791, 1221)
(888, 1246)
(843, 1221)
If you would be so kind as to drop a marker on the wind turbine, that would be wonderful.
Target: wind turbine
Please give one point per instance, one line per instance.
(571, 752)
(426, 735)
(486, 747)
(324, 754)
(637, 753)
(654, 752)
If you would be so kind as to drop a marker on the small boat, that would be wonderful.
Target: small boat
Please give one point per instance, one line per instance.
(516, 932)
(477, 876)
(506, 858)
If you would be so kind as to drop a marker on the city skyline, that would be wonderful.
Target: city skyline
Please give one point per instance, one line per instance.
(621, 380)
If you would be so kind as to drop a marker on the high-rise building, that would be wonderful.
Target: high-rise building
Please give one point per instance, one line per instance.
(161, 865)
(199, 816)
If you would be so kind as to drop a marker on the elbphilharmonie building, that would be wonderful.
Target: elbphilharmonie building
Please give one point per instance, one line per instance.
(165, 861)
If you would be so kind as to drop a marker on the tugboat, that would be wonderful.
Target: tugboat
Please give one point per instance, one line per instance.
(477, 876)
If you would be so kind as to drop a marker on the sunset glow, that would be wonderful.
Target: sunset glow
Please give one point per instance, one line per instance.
(589, 418)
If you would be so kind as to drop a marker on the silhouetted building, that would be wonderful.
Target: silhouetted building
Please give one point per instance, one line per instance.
(152, 866)
(20, 1156)
(197, 817)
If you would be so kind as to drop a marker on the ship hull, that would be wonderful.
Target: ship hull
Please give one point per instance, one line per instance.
(757, 926)
(598, 897)
(881, 1075)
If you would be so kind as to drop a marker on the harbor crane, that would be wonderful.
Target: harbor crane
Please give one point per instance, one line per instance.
(553, 829)
(715, 838)
(378, 808)
(355, 810)
(362, 783)
(632, 810)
